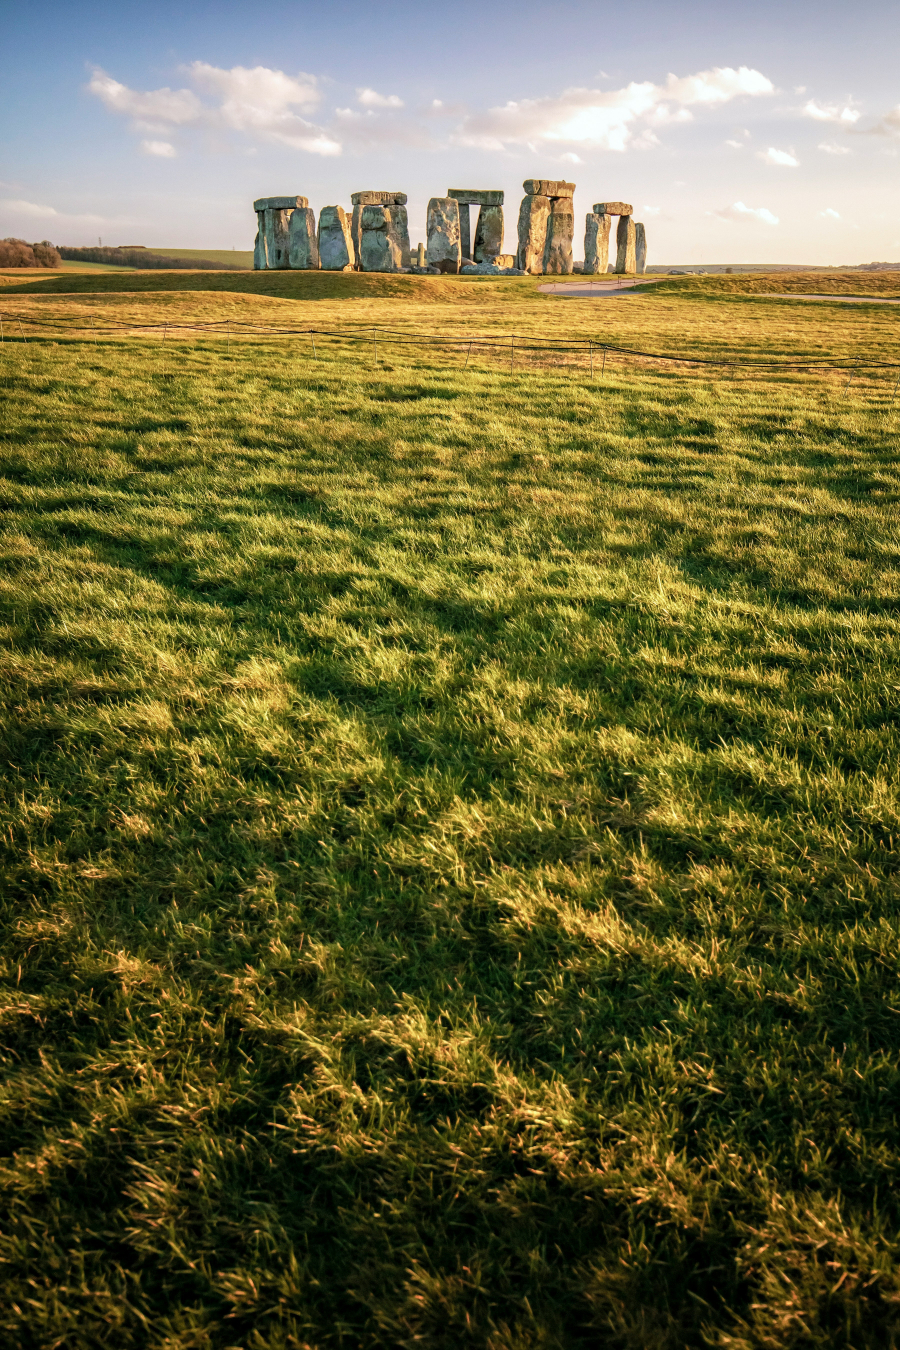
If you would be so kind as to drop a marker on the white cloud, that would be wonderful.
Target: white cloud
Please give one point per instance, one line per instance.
(652, 210)
(254, 101)
(829, 214)
(21, 208)
(735, 145)
(831, 113)
(437, 103)
(779, 157)
(738, 211)
(370, 99)
(173, 106)
(832, 149)
(571, 158)
(161, 148)
(605, 119)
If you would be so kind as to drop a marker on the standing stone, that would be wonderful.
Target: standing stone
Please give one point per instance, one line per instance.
(534, 213)
(488, 233)
(400, 230)
(640, 247)
(420, 255)
(625, 259)
(596, 242)
(303, 250)
(379, 251)
(259, 244)
(336, 251)
(560, 230)
(274, 214)
(443, 234)
(465, 230)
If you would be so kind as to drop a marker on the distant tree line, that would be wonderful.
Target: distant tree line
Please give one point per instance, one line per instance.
(17, 253)
(135, 256)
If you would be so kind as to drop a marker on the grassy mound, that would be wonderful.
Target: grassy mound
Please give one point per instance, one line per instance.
(450, 840)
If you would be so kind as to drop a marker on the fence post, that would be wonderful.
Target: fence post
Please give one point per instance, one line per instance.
(603, 367)
(512, 348)
(591, 345)
(468, 354)
(894, 394)
(22, 332)
(375, 343)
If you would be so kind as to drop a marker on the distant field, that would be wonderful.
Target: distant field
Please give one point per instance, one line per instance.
(450, 821)
(238, 257)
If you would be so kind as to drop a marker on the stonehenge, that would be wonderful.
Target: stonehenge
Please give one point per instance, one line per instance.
(375, 237)
(489, 226)
(631, 239)
(546, 227)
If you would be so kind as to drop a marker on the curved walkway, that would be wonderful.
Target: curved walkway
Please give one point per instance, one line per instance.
(598, 288)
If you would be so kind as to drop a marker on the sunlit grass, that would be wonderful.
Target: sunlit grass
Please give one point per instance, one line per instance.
(450, 832)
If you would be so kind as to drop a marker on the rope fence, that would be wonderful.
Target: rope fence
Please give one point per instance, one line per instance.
(510, 350)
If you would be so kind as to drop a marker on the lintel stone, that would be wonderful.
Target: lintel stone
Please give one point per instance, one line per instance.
(378, 198)
(477, 196)
(613, 209)
(280, 203)
(548, 187)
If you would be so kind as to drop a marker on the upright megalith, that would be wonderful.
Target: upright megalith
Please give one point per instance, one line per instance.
(596, 242)
(489, 227)
(625, 242)
(379, 250)
(400, 230)
(303, 248)
(272, 247)
(336, 251)
(443, 234)
(488, 234)
(560, 231)
(390, 200)
(640, 247)
(534, 213)
(545, 242)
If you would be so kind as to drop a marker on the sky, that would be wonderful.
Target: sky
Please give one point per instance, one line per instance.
(765, 132)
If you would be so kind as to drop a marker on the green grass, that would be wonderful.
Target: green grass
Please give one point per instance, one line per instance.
(450, 835)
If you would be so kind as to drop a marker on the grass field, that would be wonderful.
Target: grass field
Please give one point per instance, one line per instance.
(450, 825)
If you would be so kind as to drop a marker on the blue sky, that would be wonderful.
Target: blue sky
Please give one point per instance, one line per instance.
(741, 133)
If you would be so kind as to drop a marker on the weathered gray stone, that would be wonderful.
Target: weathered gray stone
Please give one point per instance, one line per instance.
(443, 234)
(640, 247)
(560, 231)
(379, 251)
(534, 213)
(596, 242)
(625, 260)
(420, 255)
(336, 251)
(465, 230)
(477, 196)
(303, 248)
(378, 198)
(276, 229)
(279, 203)
(259, 244)
(488, 233)
(613, 209)
(399, 218)
(548, 187)
(356, 232)
(491, 269)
